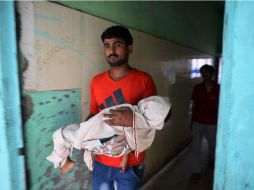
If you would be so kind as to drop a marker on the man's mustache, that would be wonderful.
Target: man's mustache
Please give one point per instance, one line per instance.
(113, 55)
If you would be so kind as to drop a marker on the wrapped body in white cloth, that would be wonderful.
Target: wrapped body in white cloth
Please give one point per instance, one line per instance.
(94, 136)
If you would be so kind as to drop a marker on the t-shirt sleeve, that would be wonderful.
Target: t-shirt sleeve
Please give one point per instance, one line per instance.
(94, 108)
(150, 88)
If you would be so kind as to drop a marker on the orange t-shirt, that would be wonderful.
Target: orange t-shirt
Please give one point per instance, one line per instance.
(105, 92)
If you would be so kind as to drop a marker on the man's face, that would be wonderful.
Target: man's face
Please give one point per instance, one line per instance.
(116, 51)
(206, 75)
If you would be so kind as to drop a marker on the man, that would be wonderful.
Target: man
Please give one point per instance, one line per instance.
(120, 84)
(205, 101)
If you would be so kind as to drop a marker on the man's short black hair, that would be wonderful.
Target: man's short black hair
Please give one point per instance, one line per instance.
(208, 68)
(118, 32)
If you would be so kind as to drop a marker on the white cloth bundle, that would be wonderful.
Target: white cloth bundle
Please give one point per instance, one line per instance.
(148, 116)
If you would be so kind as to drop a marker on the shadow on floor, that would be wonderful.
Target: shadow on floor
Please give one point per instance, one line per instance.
(176, 174)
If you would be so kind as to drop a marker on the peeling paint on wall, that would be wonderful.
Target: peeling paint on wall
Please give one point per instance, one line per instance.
(49, 111)
(27, 43)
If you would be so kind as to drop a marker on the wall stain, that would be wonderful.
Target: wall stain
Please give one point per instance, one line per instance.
(66, 45)
(26, 107)
(46, 17)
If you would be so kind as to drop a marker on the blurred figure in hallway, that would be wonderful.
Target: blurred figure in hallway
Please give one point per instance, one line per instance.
(205, 100)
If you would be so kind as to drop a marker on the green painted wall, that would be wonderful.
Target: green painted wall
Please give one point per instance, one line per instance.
(235, 152)
(11, 139)
(193, 24)
(46, 112)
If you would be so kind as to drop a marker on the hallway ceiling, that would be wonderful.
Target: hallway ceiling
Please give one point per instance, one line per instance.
(194, 24)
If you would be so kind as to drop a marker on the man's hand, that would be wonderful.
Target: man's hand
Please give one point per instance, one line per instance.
(120, 117)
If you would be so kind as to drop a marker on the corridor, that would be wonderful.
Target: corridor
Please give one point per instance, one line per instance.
(175, 175)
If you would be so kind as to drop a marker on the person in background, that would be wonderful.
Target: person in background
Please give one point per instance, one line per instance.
(205, 101)
(118, 85)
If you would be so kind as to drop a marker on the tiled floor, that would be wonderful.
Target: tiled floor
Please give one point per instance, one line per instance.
(175, 176)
